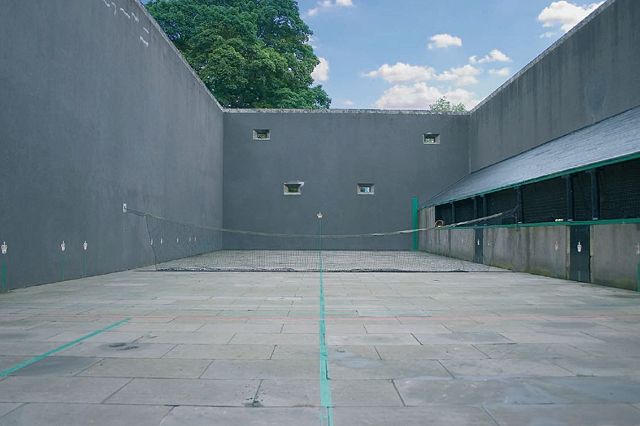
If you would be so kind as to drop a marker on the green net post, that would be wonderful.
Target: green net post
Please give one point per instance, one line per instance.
(638, 278)
(4, 287)
(415, 207)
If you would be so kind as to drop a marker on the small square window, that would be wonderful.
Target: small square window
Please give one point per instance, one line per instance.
(431, 139)
(365, 189)
(293, 188)
(261, 134)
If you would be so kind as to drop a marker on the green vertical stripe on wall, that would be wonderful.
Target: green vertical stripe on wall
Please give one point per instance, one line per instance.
(415, 210)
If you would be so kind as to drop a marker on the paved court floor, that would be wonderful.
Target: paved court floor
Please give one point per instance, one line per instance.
(482, 348)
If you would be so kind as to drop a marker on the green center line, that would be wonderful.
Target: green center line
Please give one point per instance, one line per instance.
(23, 364)
(326, 414)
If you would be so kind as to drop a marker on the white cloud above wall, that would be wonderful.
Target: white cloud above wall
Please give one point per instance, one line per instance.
(420, 95)
(461, 76)
(324, 5)
(502, 72)
(564, 15)
(401, 72)
(321, 71)
(494, 56)
(442, 41)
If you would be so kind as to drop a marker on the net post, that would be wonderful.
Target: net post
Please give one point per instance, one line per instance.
(415, 211)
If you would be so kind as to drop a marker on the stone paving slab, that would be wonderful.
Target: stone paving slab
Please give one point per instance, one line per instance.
(413, 416)
(147, 368)
(221, 352)
(56, 366)
(228, 393)
(85, 414)
(567, 415)
(230, 416)
(6, 407)
(58, 389)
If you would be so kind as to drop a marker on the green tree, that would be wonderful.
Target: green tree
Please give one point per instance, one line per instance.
(249, 53)
(443, 105)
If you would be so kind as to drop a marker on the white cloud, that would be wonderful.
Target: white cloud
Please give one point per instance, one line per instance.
(321, 71)
(548, 34)
(401, 72)
(494, 56)
(565, 14)
(348, 103)
(420, 96)
(322, 5)
(461, 76)
(442, 41)
(502, 72)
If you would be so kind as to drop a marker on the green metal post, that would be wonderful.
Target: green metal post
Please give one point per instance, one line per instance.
(415, 208)
(4, 287)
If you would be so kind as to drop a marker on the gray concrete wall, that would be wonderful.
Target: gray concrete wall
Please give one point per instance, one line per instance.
(462, 244)
(332, 152)
(615, 255)
(589, 75)
(94, 112)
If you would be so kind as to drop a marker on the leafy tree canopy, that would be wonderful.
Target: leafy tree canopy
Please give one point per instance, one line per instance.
(249, 53)
(443, 105)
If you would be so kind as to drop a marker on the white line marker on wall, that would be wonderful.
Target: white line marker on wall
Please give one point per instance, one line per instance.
(557, 246)
(145, 42)
(579, 246)
(146, 30)
(638, 249)
(4, 247)
(125, 13)
(135, 17)
(161, 240)
(177, 240)
(106, 3)
(85, 245)
(63, 246)
(152, 241)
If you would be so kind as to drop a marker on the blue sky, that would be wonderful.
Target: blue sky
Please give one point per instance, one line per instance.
(378, 51)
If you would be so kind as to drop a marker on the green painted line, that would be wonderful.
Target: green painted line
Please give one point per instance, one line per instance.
(326, 413)
(415, 219)
(4, 286)
(23, 364)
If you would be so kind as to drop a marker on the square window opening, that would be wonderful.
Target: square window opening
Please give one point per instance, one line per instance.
(261, 134)
(431, 139)
(293, 188)
(366, 189)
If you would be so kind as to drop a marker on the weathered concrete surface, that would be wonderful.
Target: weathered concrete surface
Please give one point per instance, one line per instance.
(589, 76)
(97, 112)
(462, 244)
(475, 348)
(331, 152)
(615, 255)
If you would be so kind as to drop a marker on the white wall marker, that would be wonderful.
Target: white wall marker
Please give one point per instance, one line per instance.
(135, 17)
(145, 30)
(152, 241)
(125, 13)
(177, 240)
(115, 9)
(124, 207)
(557, 246)
(4, 247)
(638, 249)
(579, 246)
(161, 241)
(106, 3)
(63, 246)
(145, 42)
(85, 246)
(189, 239)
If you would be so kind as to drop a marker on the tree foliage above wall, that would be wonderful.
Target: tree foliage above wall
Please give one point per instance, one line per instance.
(443, 105)
(249, 53)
